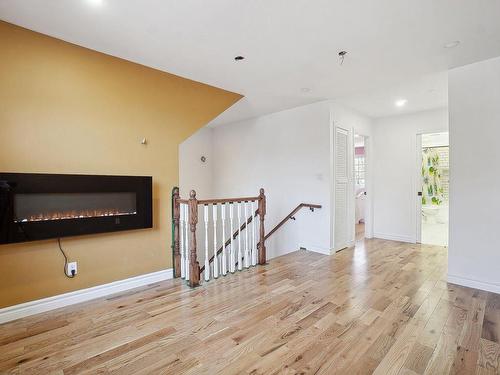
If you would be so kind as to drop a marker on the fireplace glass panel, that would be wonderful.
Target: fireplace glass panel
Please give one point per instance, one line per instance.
(67, 206)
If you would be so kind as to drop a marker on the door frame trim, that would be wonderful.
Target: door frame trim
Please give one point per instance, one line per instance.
(418, 187)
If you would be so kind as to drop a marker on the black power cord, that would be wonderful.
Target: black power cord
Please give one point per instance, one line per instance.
(65, 261)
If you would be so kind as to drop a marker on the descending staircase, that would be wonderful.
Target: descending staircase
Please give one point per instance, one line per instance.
(245, 246)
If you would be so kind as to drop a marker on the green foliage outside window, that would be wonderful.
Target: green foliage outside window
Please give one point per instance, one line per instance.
(431, 178)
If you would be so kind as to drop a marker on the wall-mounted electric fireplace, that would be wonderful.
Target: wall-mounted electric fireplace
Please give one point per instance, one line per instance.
(43, 206)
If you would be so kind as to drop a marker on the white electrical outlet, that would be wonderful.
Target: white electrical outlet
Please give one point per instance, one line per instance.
(71, 269)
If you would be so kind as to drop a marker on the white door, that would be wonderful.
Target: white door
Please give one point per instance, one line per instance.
(343, 193)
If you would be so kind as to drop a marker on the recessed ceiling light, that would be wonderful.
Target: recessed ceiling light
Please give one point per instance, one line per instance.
(239, 58)
(305, 90)
(453, 44)
(400, 102)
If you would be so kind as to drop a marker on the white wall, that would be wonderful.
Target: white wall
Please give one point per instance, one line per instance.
(288, 154)
(474, 249)
(395, 171)
(347, 117)
(193, 174)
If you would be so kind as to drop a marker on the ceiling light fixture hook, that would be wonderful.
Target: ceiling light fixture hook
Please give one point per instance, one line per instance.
(342, 55)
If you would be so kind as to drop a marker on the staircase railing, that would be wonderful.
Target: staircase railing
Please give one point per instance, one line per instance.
(245, 246)
(233, 237)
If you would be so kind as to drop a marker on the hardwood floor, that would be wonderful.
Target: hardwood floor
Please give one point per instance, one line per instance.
(383, 307)
(360, 231)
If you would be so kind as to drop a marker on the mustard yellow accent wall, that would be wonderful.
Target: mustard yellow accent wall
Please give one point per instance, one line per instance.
(67, 109)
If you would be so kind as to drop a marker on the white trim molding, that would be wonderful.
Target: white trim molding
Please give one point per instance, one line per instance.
(317, 249)
(22, 310)
(394, 237)
(476, 284)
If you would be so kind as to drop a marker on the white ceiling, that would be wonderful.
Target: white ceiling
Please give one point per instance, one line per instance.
(422, 93)
(288, 44)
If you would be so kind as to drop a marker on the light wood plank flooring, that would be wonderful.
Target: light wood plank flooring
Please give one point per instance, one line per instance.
(383, 307)
(360, 231)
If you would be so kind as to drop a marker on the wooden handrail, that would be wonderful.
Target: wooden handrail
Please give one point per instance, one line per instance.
(220, 201)
(249, 220)
(228, 200)
(290, 215)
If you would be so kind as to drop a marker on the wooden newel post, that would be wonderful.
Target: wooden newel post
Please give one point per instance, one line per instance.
(262, 214)
(176, 221)
(194, 266)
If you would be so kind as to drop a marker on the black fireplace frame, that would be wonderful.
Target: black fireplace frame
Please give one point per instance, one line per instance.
(33, 183)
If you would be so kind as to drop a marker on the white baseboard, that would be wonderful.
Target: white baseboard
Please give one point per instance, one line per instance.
(476, 284)
(317, 249)
(22, 310)
(394, 237)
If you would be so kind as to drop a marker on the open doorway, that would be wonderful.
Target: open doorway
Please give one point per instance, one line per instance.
(434, 194)
(360, 176)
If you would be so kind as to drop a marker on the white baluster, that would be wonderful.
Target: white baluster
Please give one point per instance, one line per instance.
(232, 259)
(247, 255)
(216, 258)
(207, 262)
(254, 238)
(223, 258)
(186, 223)
(182, 242)
(240, 265)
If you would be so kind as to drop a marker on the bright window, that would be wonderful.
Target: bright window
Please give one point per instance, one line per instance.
(359, 170)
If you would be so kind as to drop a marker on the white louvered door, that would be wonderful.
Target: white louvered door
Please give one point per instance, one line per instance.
(342, 189)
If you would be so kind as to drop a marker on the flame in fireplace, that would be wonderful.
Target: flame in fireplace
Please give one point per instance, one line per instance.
(74, 214)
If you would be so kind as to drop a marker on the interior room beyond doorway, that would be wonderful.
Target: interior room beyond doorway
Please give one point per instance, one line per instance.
(360, 185)
(435, 174)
